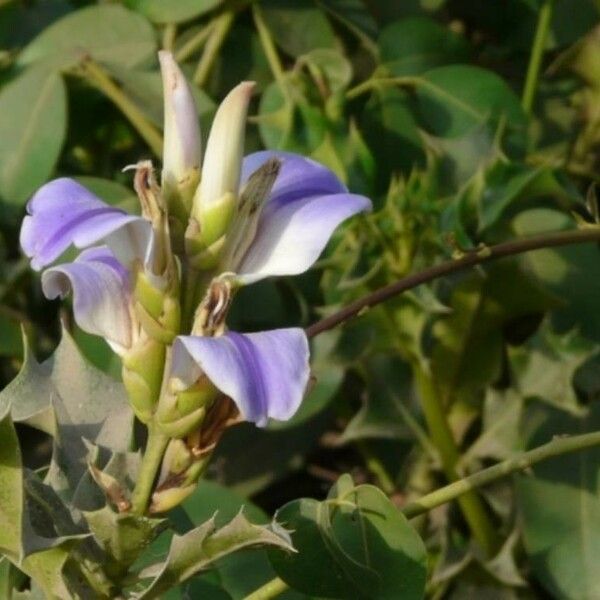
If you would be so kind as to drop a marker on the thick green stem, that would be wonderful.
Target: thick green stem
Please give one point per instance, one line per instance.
(469, 259)
(271, 589)
(470, 504)
(97, 76)
(537, 54)
(217, 36)
(153, 455)
(556, 447)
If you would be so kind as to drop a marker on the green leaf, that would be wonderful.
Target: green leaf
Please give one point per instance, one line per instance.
(500, 437)
(297, 26)
(333, 67)
(468, 352)
(31, 133)
(560, 509)
(122, 536)
(415, 45)
(200, 548)
(172, 11)
(109, 34)
(391, 131)
(456, 98)
(355, 544)
(511, 185)
(572, 273)
(545, 366)
(11, 489)
(80, 399)
(354, 15)
(290, 123)
(382, 415)
(11, 343)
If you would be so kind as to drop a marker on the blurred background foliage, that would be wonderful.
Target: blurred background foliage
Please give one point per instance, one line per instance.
(423, 106)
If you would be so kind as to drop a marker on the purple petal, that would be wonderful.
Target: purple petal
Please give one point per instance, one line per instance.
(290, 237)
(101, 294)
(264, 373)
(307, 203)
(63, 212)
(299, 177)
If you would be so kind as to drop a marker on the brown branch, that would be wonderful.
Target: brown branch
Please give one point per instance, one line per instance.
(476, 257)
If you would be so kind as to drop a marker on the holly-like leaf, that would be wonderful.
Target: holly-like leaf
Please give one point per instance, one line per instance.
(560, 508)
(544, 367)
(200, 548)
(355, 544)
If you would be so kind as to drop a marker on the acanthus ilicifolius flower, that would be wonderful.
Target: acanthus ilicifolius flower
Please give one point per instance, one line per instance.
(162, 304)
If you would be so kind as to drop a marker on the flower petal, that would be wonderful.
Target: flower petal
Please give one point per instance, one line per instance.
(224, 149)
(181, 151)
(101, 294)
(299, 177)
(307, 203)
(63, 212)
(264, 373)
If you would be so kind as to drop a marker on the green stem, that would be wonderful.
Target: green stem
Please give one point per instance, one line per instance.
(98, 77)
(377, 468)
(169, 34)
(374, 82)
(217, 36)
(268, 46)
(537, 54)
(547, 240)
(271, 589)
(194, 43)
(153, 455)
(556, 447)
(470, 504)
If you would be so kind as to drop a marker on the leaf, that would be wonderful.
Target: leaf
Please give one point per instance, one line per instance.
(11, 488)
(388, 389)
(333, 67)
(172, 11)
(468, 353)
(415, 45)
(354, 15)
(513, 184)
(198, 550)
(391, 131)
(80, 399)
(109, 34)
(31, 133)
(11, 342)
(17, 523)
(500, 437)
(572, 273)
(545, 366)
(122, 536)
(456, 98)
(355, 544)
(297, 26)
(560, 509)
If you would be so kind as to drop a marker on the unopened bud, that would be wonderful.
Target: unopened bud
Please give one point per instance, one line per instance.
(216, 196)
(182, 145)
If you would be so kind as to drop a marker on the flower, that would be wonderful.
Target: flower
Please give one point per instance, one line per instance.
(268, 214)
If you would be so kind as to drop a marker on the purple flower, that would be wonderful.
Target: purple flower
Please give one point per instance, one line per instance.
(264, 373)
